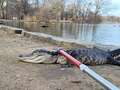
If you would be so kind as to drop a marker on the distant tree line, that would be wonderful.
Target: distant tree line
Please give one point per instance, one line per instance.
(113, 19)
(81, 11)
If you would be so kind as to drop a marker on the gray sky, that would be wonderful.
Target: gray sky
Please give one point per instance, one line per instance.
(115, 7)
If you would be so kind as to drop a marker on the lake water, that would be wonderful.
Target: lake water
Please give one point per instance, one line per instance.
(100, 34)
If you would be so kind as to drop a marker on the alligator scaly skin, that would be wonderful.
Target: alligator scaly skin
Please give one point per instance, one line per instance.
(91, 56)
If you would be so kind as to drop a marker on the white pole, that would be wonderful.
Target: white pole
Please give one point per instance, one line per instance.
(108, 85)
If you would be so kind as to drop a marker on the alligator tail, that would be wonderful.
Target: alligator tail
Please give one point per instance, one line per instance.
(115, 62)
(115, 53)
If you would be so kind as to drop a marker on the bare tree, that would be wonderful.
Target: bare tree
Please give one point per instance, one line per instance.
(58, 8)
(37, 3)
(83, 9)
(52, 8)
(25, 6)
(79, 10)
(22, 8)
(2, 8)
(99, 5)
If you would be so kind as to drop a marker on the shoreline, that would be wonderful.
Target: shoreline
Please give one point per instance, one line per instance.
(67, 43)
(44, 37)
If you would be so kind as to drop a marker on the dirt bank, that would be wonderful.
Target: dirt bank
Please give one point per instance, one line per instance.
(16, 75)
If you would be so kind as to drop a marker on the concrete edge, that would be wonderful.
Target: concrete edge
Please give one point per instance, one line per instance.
(45, 38)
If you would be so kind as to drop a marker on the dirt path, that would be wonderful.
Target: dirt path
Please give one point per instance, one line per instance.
(16, 75)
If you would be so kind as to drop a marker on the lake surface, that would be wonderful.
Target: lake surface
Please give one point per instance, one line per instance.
(100, 34)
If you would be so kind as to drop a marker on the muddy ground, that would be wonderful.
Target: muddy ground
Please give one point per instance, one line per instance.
(15, 75)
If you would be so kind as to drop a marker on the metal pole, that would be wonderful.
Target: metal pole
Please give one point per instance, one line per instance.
(108, 85)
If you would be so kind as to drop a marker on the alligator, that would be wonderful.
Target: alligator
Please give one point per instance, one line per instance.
(88, 56)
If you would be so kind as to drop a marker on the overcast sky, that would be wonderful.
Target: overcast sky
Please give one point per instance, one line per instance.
(115, 7)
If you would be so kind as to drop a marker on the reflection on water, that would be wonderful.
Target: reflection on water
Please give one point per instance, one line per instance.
(69, 31)
(105, 34)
